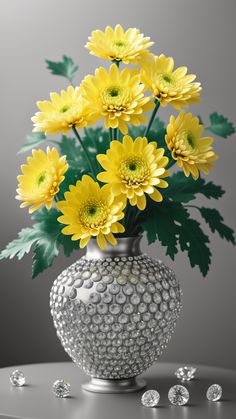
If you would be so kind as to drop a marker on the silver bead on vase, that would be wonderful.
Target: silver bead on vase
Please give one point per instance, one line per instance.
(115, 310)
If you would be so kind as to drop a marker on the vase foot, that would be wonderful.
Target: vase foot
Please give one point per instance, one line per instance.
(128, 385)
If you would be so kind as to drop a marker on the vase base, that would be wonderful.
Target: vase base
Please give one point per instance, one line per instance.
(128, 385)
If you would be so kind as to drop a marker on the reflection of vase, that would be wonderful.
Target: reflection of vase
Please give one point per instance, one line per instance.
(115, 311)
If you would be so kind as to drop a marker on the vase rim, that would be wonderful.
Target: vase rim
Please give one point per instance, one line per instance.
(126, 246)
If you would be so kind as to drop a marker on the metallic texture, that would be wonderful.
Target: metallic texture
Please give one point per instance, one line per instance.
(128, 385)
(115, 310)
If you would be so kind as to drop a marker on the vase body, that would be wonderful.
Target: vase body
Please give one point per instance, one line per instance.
(115, 311)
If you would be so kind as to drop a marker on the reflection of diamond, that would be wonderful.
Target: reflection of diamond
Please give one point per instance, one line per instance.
(61, 388)
(178, 395)
(17, 378)
(150, 398)
(214, 392)
(185, 373)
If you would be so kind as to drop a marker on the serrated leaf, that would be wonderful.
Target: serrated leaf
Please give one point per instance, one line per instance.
(44, 253)
(220, 125)
(215, 221)
(169, 222)
(66, 68)
(160, 223)
(22, 245)
(184, 189)
(33, 140)
(68, 245)
(194, 241)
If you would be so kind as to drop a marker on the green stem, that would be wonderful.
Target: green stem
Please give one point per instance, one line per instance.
(157, 103)
(115, 133)
(85, 151)
(110, 134)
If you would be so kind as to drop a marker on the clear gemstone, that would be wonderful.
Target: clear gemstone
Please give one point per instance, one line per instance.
(17, 378)
(178, 395)
(214, 393)
(185, 373)
(150, 398)
(61, 388)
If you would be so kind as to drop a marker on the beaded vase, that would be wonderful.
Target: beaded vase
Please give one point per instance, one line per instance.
(114, 312)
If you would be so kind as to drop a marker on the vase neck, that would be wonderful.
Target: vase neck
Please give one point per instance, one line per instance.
(126, 246)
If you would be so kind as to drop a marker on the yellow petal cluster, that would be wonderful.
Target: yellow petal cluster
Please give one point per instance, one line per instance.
(134, 168)
(118, 96)
(62, 112)
(91, 211)
(119, 45)
(168, 85)
(40, 179)
(192, 152)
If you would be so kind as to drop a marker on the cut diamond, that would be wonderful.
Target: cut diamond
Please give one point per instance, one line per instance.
(150, 398)
(17, 378)
(61, 388)
(178, 395)
(214, 393)
(185, 373)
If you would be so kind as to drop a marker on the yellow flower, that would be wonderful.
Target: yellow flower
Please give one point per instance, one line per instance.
(65, 110)
(41, 178)
(89, 210)
(118, 96)
(133, 168)
(116, 44)
(169, 85)
(191, 151)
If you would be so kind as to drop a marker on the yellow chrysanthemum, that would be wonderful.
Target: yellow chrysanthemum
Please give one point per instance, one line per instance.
(41, 178)
(169, 85)
(65, 110)
(119, 45)
(133, 168)
(89, 210)
(118, 96)
(191, 151)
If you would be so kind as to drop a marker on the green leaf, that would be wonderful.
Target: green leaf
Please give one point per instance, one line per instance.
(194, 241)
(44, 253)
(96, 141)
(74, 154)
(22, 245)
(184, 189)
(66, 68)
(215, 221)
(160, 223)
(32, 140)
(68, 245)
(135, 132)
(220, 125)
(170, 223)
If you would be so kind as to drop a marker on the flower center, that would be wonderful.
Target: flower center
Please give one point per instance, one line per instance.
(41, 178)
(113, 91)
(134, 170)
(119, 44)
(93, 214)
(64, 109)
(114, 99)
(190, 140)
(167, 78)
(47, 183)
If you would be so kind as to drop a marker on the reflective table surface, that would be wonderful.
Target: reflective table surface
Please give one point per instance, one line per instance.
(36, 401)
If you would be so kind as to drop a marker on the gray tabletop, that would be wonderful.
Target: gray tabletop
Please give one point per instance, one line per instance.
(36, 401)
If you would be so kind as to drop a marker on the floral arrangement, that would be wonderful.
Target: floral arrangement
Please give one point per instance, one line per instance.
(116, 180)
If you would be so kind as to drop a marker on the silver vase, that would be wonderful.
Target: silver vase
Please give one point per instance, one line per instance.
(114, 312)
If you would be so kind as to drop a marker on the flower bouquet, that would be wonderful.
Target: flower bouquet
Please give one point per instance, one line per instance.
(116, 180)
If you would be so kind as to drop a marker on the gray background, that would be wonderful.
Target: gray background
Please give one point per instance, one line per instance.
(199, 34)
